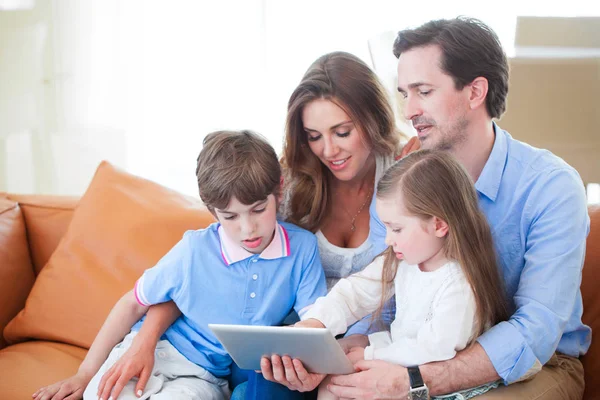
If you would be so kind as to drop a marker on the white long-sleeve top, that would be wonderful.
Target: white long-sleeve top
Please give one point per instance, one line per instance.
(435, 312)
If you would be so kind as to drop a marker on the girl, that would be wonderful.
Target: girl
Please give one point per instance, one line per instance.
(440, 263)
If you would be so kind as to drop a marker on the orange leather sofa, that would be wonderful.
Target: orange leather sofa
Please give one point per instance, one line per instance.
(65, 261)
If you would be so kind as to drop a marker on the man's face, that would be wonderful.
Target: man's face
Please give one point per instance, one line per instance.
(438, 111)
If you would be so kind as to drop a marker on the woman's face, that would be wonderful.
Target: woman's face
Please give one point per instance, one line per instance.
(335, 139)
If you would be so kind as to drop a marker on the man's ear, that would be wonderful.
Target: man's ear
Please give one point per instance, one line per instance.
(478, 90)
(440, 227)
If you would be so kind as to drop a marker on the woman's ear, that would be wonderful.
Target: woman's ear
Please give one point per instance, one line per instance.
(440, 227)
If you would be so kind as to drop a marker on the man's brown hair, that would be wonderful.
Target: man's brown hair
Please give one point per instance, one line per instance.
(240, 164)
(470, 49)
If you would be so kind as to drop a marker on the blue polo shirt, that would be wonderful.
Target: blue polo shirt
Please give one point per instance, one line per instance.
(536, 206)
(214, 280)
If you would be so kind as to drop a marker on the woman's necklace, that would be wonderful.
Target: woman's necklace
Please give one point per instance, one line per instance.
(353, 218)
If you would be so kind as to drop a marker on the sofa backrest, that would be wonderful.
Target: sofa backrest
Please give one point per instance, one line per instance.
(46, 220)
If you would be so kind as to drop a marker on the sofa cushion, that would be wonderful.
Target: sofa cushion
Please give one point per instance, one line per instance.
(123, 225)
(16, 271)
(28, 366)
(47, 219)
(591, 304)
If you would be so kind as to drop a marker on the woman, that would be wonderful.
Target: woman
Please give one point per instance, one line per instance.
(340, 139)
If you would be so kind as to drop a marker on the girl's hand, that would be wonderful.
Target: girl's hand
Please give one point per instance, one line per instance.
(137, 361)
(290, 373)
(71, 388)
(309, 323)
(349, 342)
(356, 354)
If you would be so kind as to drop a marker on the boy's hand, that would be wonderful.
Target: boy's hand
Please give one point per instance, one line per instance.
(309, 323)
(71, 388)
(290, 373)
(138, 361)
(356, 354)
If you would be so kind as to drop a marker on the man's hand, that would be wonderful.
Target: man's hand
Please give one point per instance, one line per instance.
(290, 373)
(138, 361)
(71, 388)
(374, 379)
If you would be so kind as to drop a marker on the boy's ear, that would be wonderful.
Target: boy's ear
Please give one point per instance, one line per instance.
(440, 227)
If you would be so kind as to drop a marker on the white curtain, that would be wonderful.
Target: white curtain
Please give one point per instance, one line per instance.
(140, 82)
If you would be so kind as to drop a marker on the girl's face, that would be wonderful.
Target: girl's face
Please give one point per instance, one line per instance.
(251, 226)
(415, 240)
(335, 139)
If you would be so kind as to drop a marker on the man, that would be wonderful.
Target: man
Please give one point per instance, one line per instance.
(454, 77)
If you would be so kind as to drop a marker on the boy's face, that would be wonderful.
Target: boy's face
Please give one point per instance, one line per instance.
(252, 226)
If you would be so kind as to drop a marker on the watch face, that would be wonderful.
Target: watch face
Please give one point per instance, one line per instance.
(419, 394)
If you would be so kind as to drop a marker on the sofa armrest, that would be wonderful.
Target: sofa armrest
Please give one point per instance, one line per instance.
(16, 270)
(591, 304)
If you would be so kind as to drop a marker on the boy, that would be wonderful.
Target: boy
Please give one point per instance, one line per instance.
(246, 269)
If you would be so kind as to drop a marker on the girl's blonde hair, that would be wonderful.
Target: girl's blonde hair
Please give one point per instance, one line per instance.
(434, 184)
(348, 82)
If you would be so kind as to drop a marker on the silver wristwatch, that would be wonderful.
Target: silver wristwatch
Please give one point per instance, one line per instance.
(418, 388)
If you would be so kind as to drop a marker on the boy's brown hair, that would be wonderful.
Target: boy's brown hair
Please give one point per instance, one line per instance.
(240, 164)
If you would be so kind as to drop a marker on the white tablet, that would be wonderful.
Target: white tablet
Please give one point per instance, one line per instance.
(315, 347)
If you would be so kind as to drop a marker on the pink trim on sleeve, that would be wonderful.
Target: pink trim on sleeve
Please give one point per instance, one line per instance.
(137, 296)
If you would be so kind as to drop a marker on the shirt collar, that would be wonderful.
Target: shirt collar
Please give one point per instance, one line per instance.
(489, 180)
(232, 252)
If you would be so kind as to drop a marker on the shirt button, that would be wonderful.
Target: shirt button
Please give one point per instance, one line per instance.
(254, 277)
(255, 260)
(162, 354)
(252, 295)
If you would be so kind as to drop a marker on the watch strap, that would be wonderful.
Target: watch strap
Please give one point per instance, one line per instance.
(414, 375)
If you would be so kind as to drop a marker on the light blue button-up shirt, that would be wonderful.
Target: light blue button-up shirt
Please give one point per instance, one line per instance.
(536, 206)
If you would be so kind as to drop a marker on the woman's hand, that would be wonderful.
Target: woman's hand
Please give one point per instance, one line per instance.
(290, 373)
(137, 361)
(412, 145)
(71, 388)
